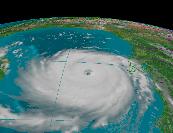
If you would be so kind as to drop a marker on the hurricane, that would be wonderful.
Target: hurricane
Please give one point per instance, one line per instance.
(74, 88)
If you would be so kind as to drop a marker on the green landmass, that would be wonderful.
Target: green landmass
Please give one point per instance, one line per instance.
(159, 65)
(3, 67)
(1, 74)
(165, 122)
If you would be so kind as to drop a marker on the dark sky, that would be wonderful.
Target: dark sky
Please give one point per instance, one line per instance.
(158, 13)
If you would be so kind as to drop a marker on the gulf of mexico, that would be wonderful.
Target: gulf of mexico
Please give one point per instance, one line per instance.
(45, 42)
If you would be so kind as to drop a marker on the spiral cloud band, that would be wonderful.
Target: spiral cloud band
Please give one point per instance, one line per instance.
(75, 87)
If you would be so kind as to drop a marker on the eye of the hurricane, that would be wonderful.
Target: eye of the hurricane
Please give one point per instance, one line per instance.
(88, 72)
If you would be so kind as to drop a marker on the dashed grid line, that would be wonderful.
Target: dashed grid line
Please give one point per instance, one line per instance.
(60, 82)
(84, 62)
(132, 67)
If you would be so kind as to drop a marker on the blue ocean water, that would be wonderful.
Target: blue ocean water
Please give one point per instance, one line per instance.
(48, 41)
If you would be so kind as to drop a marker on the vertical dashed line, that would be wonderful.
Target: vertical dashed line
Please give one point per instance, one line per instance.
(59, 84)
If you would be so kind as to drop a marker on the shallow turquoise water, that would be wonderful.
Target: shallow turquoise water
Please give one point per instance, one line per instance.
(47, 42)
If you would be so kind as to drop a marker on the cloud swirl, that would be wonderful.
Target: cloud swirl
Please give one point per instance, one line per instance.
(73, 88)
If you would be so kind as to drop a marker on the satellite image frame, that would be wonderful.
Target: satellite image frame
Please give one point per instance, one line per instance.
(152, 48)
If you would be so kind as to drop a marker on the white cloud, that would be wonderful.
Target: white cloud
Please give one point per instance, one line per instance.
(3, 52)
(71, 94)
